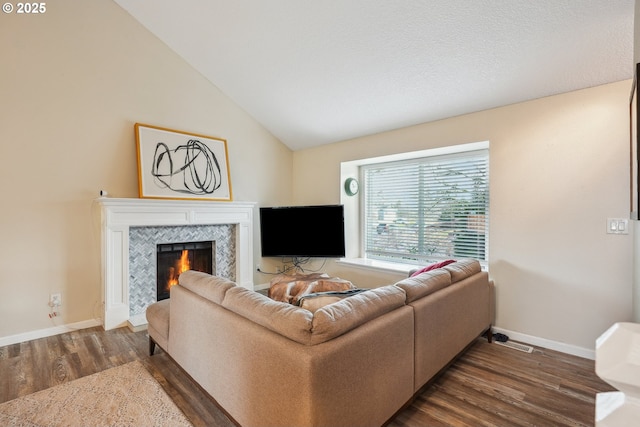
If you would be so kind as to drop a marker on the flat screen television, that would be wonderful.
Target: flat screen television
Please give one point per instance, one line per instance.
(302, 231)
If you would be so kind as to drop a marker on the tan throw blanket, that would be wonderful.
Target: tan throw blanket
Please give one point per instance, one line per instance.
(315, 301)
(290, 288)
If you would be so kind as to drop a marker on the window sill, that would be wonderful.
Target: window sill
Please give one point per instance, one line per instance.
(372, 264)
(386, 266)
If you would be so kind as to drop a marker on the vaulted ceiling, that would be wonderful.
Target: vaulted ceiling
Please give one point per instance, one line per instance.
(317, 72)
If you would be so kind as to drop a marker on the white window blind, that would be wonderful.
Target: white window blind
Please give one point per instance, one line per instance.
(427, 209)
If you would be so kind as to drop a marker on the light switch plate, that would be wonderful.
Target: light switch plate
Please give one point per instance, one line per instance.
(617, 226)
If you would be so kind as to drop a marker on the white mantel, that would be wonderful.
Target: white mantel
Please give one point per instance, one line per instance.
(117, 215)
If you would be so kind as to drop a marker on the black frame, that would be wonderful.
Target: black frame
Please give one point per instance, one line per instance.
(634, 154)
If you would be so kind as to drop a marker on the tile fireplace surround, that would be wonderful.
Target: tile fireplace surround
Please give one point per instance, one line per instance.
(119, 215)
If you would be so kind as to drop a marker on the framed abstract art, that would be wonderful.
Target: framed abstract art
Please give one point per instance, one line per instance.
(181, 165)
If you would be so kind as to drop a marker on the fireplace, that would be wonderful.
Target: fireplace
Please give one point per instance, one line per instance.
(143, 258)
(176, 258)
(131, 231)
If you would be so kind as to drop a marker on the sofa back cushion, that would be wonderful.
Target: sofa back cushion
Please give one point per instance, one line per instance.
(309, 328)
(288, 320)
(462, 269)
(338, 318)
(207, 286)
(317, 300)
(424, 284)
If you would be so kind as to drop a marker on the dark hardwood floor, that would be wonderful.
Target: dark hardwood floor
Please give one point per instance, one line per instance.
(489, 385)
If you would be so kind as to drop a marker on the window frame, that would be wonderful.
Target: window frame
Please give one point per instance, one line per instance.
(354, 205)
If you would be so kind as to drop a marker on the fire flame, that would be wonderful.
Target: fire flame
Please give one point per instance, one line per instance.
(182, 265)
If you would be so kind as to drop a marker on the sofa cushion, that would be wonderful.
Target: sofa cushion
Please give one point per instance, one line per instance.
(288, 320)
(305, 327)
(424, 284)
(158, 319)
(207, 286)
(314, 301)
(462, 269)
(336, 319)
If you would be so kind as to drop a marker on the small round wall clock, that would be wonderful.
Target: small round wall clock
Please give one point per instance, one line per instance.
(351, 186)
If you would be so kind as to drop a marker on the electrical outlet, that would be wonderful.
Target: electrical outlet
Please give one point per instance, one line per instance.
(55, 300)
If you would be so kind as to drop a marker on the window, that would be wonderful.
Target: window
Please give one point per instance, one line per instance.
(427, 209)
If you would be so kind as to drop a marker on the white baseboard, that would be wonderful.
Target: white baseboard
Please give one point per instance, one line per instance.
(515, 336)
(551, 345)
(48, 332)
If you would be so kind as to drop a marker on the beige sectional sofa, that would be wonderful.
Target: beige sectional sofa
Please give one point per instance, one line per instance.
(355, 362)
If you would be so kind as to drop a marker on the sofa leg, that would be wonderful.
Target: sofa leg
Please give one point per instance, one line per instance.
(489, 335)
(152, 346)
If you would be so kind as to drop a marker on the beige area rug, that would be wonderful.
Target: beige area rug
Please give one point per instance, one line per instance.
(123, 396)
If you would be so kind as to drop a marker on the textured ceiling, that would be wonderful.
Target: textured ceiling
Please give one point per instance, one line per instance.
(316, 72)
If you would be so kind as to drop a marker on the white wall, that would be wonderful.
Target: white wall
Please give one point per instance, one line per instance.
(558, 169)
(73, 82)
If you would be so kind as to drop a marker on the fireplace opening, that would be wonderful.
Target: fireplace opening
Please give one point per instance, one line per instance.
(176, 258)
